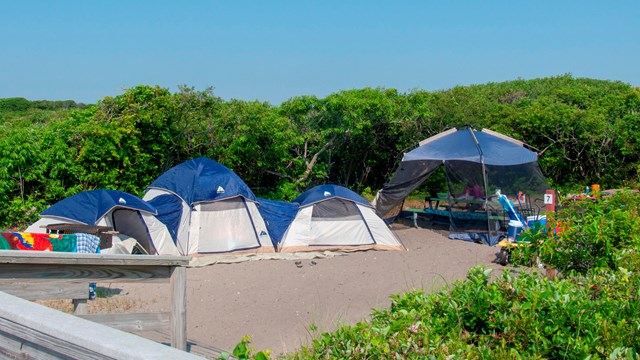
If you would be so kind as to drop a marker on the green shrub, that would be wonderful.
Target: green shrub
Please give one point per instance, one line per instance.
(591, 235)
(513, 317)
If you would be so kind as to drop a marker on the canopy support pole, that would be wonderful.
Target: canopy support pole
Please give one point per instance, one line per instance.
(484, 180)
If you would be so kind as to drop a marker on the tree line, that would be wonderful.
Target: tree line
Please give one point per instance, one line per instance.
(584, 130)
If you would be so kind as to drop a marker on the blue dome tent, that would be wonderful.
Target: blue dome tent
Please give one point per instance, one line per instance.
(125, 213)
(209, 209)
(332, 217)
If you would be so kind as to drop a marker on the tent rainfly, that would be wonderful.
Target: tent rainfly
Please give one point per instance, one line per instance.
(331, 217)
(127, 214)
(209, 209)
(486, 160)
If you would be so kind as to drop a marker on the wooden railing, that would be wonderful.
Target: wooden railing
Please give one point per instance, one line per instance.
(46, 275)
(32, 331)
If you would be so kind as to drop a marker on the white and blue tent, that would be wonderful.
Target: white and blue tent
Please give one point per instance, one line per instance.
(127, 214)
(208, 209)
(332, 217)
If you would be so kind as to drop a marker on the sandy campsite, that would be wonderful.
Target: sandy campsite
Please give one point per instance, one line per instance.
(276, 302)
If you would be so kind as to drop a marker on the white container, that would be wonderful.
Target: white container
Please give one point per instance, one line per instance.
(540, 219)
(515, 227)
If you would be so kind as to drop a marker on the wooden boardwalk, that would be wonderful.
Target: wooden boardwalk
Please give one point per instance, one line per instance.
(26, 275)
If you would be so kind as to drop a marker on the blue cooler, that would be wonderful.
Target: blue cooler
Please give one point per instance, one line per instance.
(515, 228)
(542, 220)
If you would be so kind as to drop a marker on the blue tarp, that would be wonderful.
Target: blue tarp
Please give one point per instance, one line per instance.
(477, 238)
(277, 216)
(202, 179)
(460, 145)
(324, 192)
(89, 206)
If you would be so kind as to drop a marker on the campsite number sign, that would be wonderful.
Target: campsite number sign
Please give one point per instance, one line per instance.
(548, 199)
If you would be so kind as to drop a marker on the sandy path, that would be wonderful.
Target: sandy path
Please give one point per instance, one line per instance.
(275, 301)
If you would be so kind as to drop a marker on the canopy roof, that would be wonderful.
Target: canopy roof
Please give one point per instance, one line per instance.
(496, 149)
(89, 207)
(326, 192)
(202, 179)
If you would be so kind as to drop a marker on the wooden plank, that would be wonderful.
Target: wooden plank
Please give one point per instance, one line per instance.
(87, 273)
(132, 321)
(80, 307)
(43, 331)
(194, 346)
(35, 344)
(49, 257)
(47, 291)
(179, 308)
(12, 347)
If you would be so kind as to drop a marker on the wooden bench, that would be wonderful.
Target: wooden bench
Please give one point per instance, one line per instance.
(68, 274)
(458, 215)
(450, 203)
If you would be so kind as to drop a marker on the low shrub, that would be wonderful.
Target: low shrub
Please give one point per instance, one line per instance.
(587, 235)
(525, 316)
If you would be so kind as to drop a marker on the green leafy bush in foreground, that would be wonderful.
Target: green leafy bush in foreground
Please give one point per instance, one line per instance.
(525, 316)
(591, 235)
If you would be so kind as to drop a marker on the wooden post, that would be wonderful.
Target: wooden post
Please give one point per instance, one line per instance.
(550, 203)
(80, 307)
(550, 200)
(178, 308)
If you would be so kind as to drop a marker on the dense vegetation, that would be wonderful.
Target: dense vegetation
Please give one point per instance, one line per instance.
(585, 131)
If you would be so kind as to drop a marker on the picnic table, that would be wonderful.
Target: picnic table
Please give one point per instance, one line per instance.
(445, 209)
(103, 232)
(449, 202)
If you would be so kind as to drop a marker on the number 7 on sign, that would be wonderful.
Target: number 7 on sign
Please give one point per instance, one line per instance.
(548, 199)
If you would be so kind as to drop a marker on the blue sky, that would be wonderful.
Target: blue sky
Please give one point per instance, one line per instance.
(274, 50)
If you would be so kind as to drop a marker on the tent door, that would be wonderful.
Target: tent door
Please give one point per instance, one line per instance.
(224, 226)
(130, 223)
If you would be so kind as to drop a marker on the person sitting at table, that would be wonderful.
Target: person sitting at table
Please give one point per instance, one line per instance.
(473, 191)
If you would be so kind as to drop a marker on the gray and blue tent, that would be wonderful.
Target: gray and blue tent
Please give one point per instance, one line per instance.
(486, 160)
(209, 209)
(332, 217)
(127, 214)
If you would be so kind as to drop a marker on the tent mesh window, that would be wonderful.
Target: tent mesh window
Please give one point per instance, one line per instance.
(335, 209)
(473, 201)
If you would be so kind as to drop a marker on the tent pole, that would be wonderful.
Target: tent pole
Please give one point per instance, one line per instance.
(484, 180)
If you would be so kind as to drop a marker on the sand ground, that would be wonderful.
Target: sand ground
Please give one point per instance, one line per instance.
(277, 302)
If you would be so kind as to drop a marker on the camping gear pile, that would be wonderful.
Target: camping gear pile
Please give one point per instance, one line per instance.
(202, 207)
